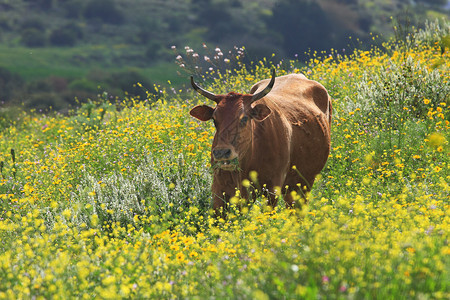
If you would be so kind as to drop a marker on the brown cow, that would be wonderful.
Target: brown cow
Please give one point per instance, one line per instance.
(283, 122)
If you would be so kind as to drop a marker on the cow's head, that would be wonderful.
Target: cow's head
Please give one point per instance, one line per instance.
(232, 118)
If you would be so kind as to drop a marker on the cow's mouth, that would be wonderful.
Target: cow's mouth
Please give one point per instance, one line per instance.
(227, 165)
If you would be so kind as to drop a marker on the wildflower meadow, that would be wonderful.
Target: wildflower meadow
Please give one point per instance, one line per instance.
(113, 200)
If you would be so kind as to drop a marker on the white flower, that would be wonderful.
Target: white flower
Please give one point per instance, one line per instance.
(173, 47)
(179, 57)
(207, 58)
(226, 60)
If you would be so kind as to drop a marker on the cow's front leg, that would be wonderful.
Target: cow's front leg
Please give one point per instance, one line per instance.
(223, 189)
(221, 197)
(272, 188)
(219, 204)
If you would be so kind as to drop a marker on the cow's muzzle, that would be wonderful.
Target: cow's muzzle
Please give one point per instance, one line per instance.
(225, 158)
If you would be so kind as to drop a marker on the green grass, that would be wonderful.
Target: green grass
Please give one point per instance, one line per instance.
(164, 72)
(43, 62)
(77, 62)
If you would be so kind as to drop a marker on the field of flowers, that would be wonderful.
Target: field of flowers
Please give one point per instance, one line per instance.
(112, 201)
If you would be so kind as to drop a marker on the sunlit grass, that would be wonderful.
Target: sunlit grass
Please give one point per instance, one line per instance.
(113, 200)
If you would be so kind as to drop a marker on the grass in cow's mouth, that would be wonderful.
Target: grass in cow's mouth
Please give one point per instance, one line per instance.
(231, 163)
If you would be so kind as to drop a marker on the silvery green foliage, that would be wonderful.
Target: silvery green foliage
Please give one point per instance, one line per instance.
(400, 88)
(433, 31)
(159, 186)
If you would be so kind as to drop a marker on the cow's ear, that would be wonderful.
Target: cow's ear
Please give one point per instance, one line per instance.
(202, 112)
(260, 112)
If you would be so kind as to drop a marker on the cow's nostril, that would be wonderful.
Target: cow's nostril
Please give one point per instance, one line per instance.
(222, 153)
(226, 153)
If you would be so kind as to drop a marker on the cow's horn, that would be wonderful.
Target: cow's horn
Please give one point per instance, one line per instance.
(266, 90)
(201, 91)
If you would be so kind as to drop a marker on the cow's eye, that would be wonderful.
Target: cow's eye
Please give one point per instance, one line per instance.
(243, 121)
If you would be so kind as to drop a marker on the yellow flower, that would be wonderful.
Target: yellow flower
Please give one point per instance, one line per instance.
(246, 183)
(260, 295)
(234, 200)
(436, 139)
(253, 176)
(67, 213)
(180, 257)
(369, 157)
(109, 280)
(94, 220)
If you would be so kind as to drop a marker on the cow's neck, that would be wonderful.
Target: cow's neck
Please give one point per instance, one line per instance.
(245, 156)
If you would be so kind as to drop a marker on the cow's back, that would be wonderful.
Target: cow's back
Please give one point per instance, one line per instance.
(305, 107)
(293, 93)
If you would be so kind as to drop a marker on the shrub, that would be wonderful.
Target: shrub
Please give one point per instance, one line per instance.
(301, 33)
(44, 101)
(161, 189)
(34, 23)
(32, 37)
(399, 87)
(9, 116)
(127, 81)
(40, 4)
(434, 32)
(10, 83)
(73, 8)
(62, 37)
(104, 10)
(155, 52)
(83, 84)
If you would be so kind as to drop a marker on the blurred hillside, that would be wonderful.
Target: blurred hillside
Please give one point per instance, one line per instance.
(55, 50)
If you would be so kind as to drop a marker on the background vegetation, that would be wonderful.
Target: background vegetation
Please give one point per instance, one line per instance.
(64, 49)
(112, 200)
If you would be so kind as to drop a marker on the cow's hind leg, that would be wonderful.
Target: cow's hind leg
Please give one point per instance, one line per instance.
(269, 190)
(295, 197)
